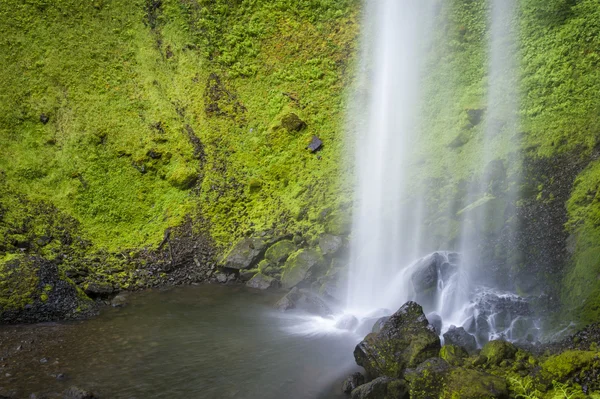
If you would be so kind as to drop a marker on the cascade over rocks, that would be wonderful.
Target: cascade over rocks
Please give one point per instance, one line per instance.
(405, 340)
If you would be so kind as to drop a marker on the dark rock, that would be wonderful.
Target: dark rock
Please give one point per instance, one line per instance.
(44, 118)
(246, 275)
(497, 351)
(221, 278)
(404, 341)
(436, 321)
(347, 322)
(474, 116)
(292, 123)
(262, 282)
(459, 337)
(280, 251)
(244, 254)
(315, 144)
(330, 244)
(381, 388)
(304, 300)
(299, 267)
(378, 326)
(453, 355)
(98, 289)
(352, 382)
(77, 393)
(427, 274)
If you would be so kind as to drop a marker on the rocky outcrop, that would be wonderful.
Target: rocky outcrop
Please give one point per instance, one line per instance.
(405, 340)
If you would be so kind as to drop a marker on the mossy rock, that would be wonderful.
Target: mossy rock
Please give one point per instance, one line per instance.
(381, 388)
(497, 351)
(280, 251)
(183, 177)
(244, 254)
(262, 282)
(299, 267)
(405, 340)
(568, 364)
(339, 223)
(292, 123)
(453, 355)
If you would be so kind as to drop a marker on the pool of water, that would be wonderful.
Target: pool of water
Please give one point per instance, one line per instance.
(190, 342)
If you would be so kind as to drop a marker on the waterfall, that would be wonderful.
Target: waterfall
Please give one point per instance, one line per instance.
(387, 226)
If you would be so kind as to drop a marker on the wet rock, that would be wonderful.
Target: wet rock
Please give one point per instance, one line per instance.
(404, 341)
(292, 123)
(98, 289)
(428, 271)
(497, 351)
(246, 275)
(352, 382)
(120, 300)
(221, 278)
(299, 267)
(459, 337)
(77, 393)
(244, 254)
(330, 244)
(436, 321)
(378, 326)
(44, 118)
(347, 322)
(280, 251)
(262, 282)
(315, 144)
(304, 300)
(453, 355)
(381, 388)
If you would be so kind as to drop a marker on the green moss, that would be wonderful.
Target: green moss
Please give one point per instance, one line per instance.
(279, 252)
(301, 265)
(18, 283)
(498, 351)
(453, 355)
(567, 364)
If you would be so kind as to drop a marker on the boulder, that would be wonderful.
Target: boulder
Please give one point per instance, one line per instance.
(246, 275)
(244, 254)
(459, 337)
(352, 382)
(405, 340)
(280, 251)
(381, 388)
(315, 144)
(335, 283)
(304, 300)
(77, 393)
(221, 278)
(435, 378)
(120, 300)
(436, 321)
(262, 282)
(453, 355)
(98, 289)
(379, 324)
(299, 267)
(497, 351)
(330, 244)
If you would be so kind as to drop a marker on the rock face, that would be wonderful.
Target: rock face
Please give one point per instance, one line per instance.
(429, 271)
(404, 341)
(381, 388)
(262, 282)
(352, 382)
(330, 244)
(304, 300)
(245, 254)
(299, 267)
(459, 337)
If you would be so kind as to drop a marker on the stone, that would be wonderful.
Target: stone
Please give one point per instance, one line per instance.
(119, 300)
(246, 275)
(459, 337)
(381, 388)
(347, 322)
(262, 282)
(330, 244)
(244, 254)
(304, 300)
(44, 118)
(436, 321)
(315, 144)
(221, 278)
(338, 223)
(77, 393)
(497, 351)
(299, 267)
(379, 324)
(405, 340)
(280, 251)
(453, 355)
(292, 123)
(98, 289)
(352, 382)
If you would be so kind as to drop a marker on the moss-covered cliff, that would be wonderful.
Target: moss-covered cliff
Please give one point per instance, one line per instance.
(125, 125)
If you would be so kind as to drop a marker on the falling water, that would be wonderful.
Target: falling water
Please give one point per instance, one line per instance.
(386, 228)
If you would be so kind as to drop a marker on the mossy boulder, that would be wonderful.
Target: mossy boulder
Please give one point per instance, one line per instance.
(300, 266)
(32, 289)
(280, 251)
(435, 378)
(459, 337)
(339, 223)
(245, 254)
(292, 123)
(497, 351)
(381, 388)
(262, 282)
(569, 364)
(405, 340)
(453, 355)
(330, 244)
